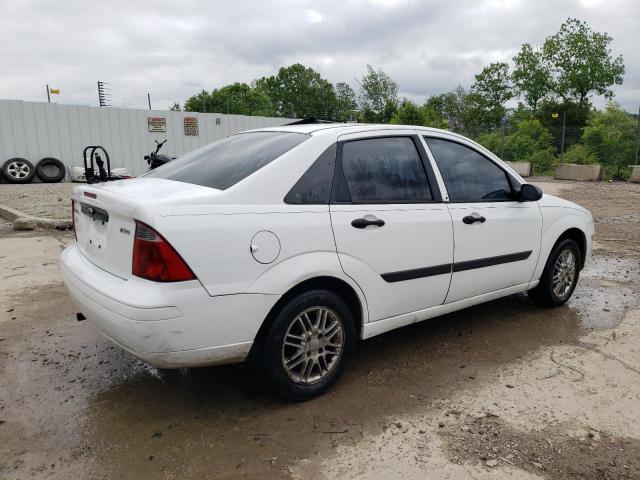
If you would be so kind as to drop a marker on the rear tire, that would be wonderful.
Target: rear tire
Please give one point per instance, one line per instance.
(18, 170)
(560, 275)
(307, 345)
(54, 163)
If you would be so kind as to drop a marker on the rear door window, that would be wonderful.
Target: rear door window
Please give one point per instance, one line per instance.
(384, 170)
(226, 162)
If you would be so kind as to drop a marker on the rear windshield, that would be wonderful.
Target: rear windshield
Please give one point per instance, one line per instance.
(223, 164)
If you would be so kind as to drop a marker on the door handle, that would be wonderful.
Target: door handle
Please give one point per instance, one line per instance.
(469, 219)
(363, 222)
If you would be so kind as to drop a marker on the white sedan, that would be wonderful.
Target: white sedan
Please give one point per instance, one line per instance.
(286, 245)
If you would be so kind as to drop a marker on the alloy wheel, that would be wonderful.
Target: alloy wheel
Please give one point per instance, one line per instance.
(18, 169)
(564, 273)
(313, 345)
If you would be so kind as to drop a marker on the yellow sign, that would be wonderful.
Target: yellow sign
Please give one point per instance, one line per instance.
(554, 115)
(55, 91)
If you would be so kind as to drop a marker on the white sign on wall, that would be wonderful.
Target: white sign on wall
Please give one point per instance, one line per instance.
(157, 124)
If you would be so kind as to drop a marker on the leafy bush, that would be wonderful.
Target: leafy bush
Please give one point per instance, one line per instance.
(580, 155)
(614, 172)
(491, 141)
(528, 137)
(544, 161)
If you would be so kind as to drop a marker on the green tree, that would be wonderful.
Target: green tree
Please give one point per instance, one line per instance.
(552, 114)
(582, 61)
(175, 107)
(451, 110)
(300, 92)
(408, 113)
(611, 137)
(493, 89)
(378, 96)
(201, 102)
(237, 98)
(346, 103)
(531, 76)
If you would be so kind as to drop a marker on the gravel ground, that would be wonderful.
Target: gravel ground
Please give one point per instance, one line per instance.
(503, 390)
(47, 200)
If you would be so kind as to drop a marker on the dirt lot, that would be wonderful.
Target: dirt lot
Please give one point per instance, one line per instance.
(502, 390)
(46, 200)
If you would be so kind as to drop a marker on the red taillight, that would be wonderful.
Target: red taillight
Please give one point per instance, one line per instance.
(73, 219)
(154, 259)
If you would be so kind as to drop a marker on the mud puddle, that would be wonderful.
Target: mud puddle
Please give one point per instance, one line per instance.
(607, 287)
(551, 452)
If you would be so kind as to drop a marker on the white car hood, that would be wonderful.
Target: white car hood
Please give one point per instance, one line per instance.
(557, 202)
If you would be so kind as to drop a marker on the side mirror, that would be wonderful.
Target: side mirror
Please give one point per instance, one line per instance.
(529, 193)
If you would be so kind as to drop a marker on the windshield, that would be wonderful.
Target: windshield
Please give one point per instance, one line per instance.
(224, 163)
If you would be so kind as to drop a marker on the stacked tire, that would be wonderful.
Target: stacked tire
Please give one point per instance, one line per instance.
(20, 170)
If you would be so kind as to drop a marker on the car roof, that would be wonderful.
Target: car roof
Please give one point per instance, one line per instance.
(343, 128)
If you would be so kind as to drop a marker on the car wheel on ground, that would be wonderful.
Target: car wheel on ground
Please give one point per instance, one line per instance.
(560, 275)
(18, 170)
(50, 170)
(307, 344)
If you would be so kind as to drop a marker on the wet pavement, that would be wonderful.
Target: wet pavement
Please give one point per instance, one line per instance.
(411, 401)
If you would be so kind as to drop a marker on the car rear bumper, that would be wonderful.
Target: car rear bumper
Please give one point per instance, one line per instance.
(169, 325)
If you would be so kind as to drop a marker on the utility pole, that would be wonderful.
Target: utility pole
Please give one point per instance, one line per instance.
(564, 127)
(149, 100)
(49, 100)
(638, 137)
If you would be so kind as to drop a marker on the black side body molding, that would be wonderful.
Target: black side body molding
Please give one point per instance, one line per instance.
(416, 273)
(454, 267)
(490, 261)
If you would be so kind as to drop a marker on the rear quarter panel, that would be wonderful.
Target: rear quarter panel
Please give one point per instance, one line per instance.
(216, 243)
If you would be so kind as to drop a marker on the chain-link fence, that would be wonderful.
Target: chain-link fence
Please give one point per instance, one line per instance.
(610, 138)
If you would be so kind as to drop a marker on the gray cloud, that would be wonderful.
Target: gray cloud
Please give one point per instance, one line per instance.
(174, 49)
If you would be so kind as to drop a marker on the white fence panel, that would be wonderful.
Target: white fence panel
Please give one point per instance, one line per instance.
(35, 130)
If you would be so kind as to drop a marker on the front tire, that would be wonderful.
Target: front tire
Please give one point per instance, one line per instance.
(307, 345)
(560, 275)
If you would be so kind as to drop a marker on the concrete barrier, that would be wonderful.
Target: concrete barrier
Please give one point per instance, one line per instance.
(22, 221)
(635, 174)
(570, 171)
(524, 169)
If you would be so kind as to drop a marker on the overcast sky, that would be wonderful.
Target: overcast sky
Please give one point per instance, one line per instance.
(173, 49)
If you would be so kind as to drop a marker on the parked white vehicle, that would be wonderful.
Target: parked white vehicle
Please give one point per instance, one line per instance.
(287, 244)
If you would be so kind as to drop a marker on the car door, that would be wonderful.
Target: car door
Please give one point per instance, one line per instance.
(393, 233)
(496, 238)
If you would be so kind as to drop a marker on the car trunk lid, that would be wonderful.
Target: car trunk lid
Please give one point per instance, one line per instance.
(105, 215)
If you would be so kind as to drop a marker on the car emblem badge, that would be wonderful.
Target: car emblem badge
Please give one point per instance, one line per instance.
(124, 230)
